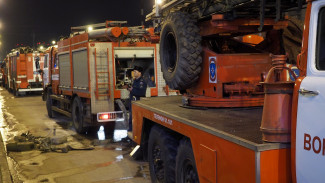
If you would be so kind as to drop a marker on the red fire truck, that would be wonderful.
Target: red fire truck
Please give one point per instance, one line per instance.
(23, 66)
(88, 71)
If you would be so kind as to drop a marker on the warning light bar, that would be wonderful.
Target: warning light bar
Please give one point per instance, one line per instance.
(110, 116)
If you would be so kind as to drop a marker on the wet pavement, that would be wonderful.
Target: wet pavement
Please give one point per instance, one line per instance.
(108, 161)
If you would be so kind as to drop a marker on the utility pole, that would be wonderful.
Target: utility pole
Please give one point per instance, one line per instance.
(142, 12)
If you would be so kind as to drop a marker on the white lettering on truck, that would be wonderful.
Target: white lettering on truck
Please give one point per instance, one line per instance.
(163, 119)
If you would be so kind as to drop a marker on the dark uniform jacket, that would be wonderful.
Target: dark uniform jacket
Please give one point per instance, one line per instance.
(139, 89)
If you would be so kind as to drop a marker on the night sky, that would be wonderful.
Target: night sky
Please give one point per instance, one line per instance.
(48, 20)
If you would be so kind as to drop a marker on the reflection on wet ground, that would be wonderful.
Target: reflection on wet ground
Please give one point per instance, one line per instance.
(108, 162)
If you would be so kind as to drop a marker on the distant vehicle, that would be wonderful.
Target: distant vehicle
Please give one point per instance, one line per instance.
(23, 66)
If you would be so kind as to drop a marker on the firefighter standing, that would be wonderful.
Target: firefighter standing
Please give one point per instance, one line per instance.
(137, 90)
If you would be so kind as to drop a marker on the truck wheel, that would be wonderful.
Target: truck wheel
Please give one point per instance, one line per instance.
(7, 85)
(77, 115)
(292, 38)
(185, 163)
(15, 91)
(44, 94)
(161, 155)
(49, 104)
(180, 51)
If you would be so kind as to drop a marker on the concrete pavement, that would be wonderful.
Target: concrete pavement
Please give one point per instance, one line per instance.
(109, 162)
(5, 176)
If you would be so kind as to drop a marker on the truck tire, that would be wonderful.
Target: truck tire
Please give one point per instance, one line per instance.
(49, 104)
(7, 84)
(180, 51)
(185, 163)
(161, 155)
(44, 94)
(15, 91)
(292, 38)
(77, 116)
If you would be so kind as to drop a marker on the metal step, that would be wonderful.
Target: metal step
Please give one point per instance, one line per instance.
(66, 113)
(61, 99)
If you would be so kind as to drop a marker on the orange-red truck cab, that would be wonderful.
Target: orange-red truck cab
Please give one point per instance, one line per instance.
(225, 144)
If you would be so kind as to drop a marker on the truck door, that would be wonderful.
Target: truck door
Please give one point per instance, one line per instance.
(310, 139)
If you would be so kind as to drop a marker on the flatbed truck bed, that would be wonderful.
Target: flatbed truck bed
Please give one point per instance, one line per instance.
(224, 140)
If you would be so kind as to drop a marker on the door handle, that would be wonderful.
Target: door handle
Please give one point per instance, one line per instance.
(303, 91)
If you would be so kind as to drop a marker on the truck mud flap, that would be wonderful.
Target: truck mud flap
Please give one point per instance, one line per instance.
(125, 123)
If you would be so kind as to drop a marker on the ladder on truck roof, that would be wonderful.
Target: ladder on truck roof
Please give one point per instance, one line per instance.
(102, 76)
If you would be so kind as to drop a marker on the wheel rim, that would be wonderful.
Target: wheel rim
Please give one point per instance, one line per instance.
(171, 48)
(189, 174)
(158, 164)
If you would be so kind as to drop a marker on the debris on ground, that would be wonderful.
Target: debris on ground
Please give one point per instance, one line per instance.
(97, 142)
(27, 142)
(20, 146)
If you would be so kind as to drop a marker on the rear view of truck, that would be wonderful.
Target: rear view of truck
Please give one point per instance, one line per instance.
(23, 68)
(88, 73)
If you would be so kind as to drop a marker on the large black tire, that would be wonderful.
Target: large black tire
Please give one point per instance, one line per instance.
(44, 94)
(49, 104)
(185, 163)
(292, 38)
(7, 85)
(161, 155)
(180, 51)
(15, 91)
(78, 116)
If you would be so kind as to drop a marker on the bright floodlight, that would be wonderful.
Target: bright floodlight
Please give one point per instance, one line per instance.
(53, 42)
(41, 47)
(159, 1)
(90, 28)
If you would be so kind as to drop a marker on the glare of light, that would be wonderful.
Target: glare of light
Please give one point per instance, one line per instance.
(101, 133)
(119, 135)
(0, 43)
(90, 28)
(105, 116)
(53, 42)
(41, 47)
(159, 1)
(119, 158)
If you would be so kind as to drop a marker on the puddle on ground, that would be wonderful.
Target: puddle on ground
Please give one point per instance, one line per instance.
(118, 149)
(143, 171)
(119, 158)
(10, 128)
